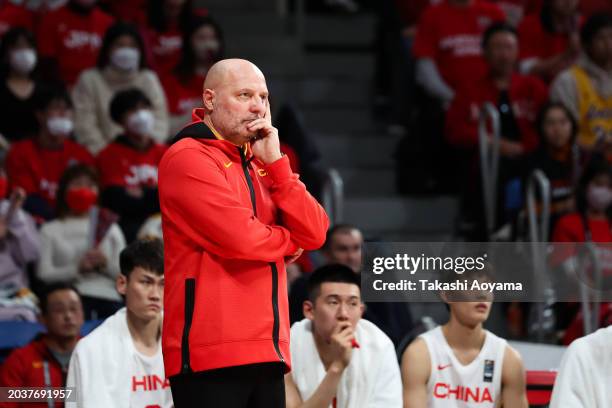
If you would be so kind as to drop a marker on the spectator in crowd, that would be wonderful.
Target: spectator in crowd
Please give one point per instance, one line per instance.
(44, 361)
(131, 366)
(19, 87)
(557, 157)
(19, 242)
(121, 65)
(549, 39)
(586, 87)
(343, 245)
(447, 45)
(582, 376)
(591, 221)
(461, 363)
(14, 15)
(128, 165)
(36, 164)
(518, 99)
(78, 248)
(203, 41)
(69, 39)
(163, 33)
(338, 358)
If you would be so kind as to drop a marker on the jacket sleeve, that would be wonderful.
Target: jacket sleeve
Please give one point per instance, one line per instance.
(302, 215)
(12, 374)
(47, 270)
(196, 199)
(24, 236)
(86, 125)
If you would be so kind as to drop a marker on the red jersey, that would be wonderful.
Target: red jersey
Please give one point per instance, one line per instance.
(32, 366)
(13, 15)
(451, 36)
(119, 164)
(38, 170)
(134, 11)
(72, 39)
(590, 7)
(183, 97)
(537, 42)
(164, 48)
(571, 228)
(527, 95)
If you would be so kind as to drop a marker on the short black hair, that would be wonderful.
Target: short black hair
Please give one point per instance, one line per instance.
(115, 31)
(145, 253)
(70, 173)
(126, 100)
(48, 290)
(593, 26)
(50, 94)
(495, 28)
(9, 39)
(336, 273)
(337, 229)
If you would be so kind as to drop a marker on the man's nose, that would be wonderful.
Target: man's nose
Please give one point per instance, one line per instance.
(258, 106)
(342, 312)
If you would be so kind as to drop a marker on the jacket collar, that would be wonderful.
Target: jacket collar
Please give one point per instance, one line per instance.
(200, 131)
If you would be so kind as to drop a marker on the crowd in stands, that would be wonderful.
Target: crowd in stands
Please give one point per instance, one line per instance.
(93, 92)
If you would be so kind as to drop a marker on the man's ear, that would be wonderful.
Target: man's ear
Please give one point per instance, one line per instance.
(121, 284)
(208, 98)
(308, 310)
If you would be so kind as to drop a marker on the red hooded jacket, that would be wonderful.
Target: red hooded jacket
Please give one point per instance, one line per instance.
(228, 223)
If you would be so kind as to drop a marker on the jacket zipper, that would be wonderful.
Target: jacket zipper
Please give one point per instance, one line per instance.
(276, 325)
(189, 305)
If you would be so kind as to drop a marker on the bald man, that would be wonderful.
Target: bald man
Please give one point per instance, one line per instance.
(233, 215)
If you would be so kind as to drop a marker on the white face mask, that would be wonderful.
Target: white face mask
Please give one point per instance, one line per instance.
(126, 58)
(599, 198)
(141, 122)
(23, 60)
(206, 49)
(59, 126)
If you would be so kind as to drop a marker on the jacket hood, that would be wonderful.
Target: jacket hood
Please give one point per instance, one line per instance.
(198, 130)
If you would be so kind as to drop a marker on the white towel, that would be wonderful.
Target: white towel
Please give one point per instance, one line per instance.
(372, 379)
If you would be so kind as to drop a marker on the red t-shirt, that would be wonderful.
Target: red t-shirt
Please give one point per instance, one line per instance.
(72, 39)
(119, 164)
(590, 7)
(515, 10)
(12, 15)
(164, 48)
(570, 228)
(38, 170)
(451, 36)
(536, 42)
(183, 97)
(134, 11)
(527, 95)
